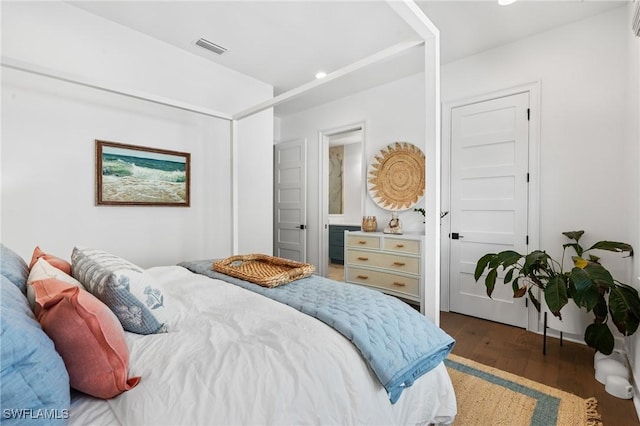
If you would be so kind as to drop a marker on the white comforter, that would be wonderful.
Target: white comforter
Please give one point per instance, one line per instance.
(235, 357)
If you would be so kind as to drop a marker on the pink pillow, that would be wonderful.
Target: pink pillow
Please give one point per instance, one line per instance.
(88, 337)
(54, 261)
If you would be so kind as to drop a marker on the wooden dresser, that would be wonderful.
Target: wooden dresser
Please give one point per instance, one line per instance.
(387, 262)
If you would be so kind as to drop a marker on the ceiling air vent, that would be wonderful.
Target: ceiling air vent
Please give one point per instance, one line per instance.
(211, 46)
(636, 21)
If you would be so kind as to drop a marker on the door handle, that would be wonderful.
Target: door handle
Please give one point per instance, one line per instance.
(455, 236)
(301, 227)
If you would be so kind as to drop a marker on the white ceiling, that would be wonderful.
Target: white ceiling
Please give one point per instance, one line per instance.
(284, 43)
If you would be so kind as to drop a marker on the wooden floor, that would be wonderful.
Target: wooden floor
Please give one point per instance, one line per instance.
(518, 351)
(336, 272)
(568, 367)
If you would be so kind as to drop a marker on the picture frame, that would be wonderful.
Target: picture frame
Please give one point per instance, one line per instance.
(131, 175)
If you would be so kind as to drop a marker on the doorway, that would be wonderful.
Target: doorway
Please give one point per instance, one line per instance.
(492, 161)
(343, 183)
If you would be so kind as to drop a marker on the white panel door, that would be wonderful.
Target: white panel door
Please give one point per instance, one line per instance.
(290, 211)
(489, 195)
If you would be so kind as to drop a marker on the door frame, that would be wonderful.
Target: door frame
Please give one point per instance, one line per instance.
(323, 193)
(533, 203)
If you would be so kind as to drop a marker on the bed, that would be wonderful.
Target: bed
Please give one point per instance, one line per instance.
(230, 356)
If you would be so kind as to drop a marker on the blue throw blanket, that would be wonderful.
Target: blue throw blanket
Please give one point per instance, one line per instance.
(397, 342)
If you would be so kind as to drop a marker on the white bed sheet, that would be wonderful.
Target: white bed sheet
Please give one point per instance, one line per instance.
(235, 357)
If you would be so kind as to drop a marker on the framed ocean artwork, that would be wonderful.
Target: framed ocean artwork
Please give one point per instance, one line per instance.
(130, 175)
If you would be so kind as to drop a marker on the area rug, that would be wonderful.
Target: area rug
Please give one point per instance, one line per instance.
(488, 396)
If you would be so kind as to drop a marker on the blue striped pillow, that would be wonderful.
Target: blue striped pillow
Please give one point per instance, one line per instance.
(129, 291)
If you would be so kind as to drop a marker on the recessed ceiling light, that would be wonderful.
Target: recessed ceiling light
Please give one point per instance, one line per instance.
(321, 74)
(506, 2)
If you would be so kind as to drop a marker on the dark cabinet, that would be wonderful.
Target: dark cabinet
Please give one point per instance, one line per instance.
(336, 242)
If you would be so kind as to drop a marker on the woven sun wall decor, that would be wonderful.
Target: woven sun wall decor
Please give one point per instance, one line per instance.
(396, 176)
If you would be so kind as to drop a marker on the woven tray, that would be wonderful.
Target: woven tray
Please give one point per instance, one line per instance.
(267, 271)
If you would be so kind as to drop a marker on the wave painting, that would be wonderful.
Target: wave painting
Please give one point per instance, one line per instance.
(134, 176)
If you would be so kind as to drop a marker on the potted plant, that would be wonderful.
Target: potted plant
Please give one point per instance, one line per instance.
(423, 212)
(588, 283)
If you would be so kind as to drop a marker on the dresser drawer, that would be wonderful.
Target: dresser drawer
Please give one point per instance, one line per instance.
(395, 262)
(400, 245)
(385, 281)
(361, 241)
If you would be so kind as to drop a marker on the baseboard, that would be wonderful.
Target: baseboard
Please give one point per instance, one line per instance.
(619, 345)
(567, 337)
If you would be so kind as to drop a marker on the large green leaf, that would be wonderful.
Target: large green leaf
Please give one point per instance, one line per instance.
(505, 258)
(598, 336)
(573, 235)
(581, 280)
(482, 264)
(535, 261)
(591, 274)
(613, 246)
(600, 310)
(571, 287)
(594, 258)
(587, 281)
(509, 276)
(490, 281)
(634, 297)
(587, 298)
(555, 294)
(624, 307)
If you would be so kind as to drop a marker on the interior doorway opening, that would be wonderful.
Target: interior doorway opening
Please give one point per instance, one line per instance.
(341, 196)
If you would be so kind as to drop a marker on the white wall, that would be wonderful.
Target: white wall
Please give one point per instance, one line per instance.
(392, 112)
(255, 184)
(583, 69)
(49, 127)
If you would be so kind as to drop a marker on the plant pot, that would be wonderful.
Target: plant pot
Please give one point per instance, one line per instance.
(574, 319)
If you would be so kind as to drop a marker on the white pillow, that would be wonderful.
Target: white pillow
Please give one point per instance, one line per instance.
(42, 270)
(128, 290)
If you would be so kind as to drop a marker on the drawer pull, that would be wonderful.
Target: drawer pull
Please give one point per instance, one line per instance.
(399, 284)
(399, 263)
(364, 277)
(362, 242)
(399, 245)
(362, 258)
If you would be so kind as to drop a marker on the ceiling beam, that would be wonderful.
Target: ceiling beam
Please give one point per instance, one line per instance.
(301, 90)
(411, 13)
(86, 82)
